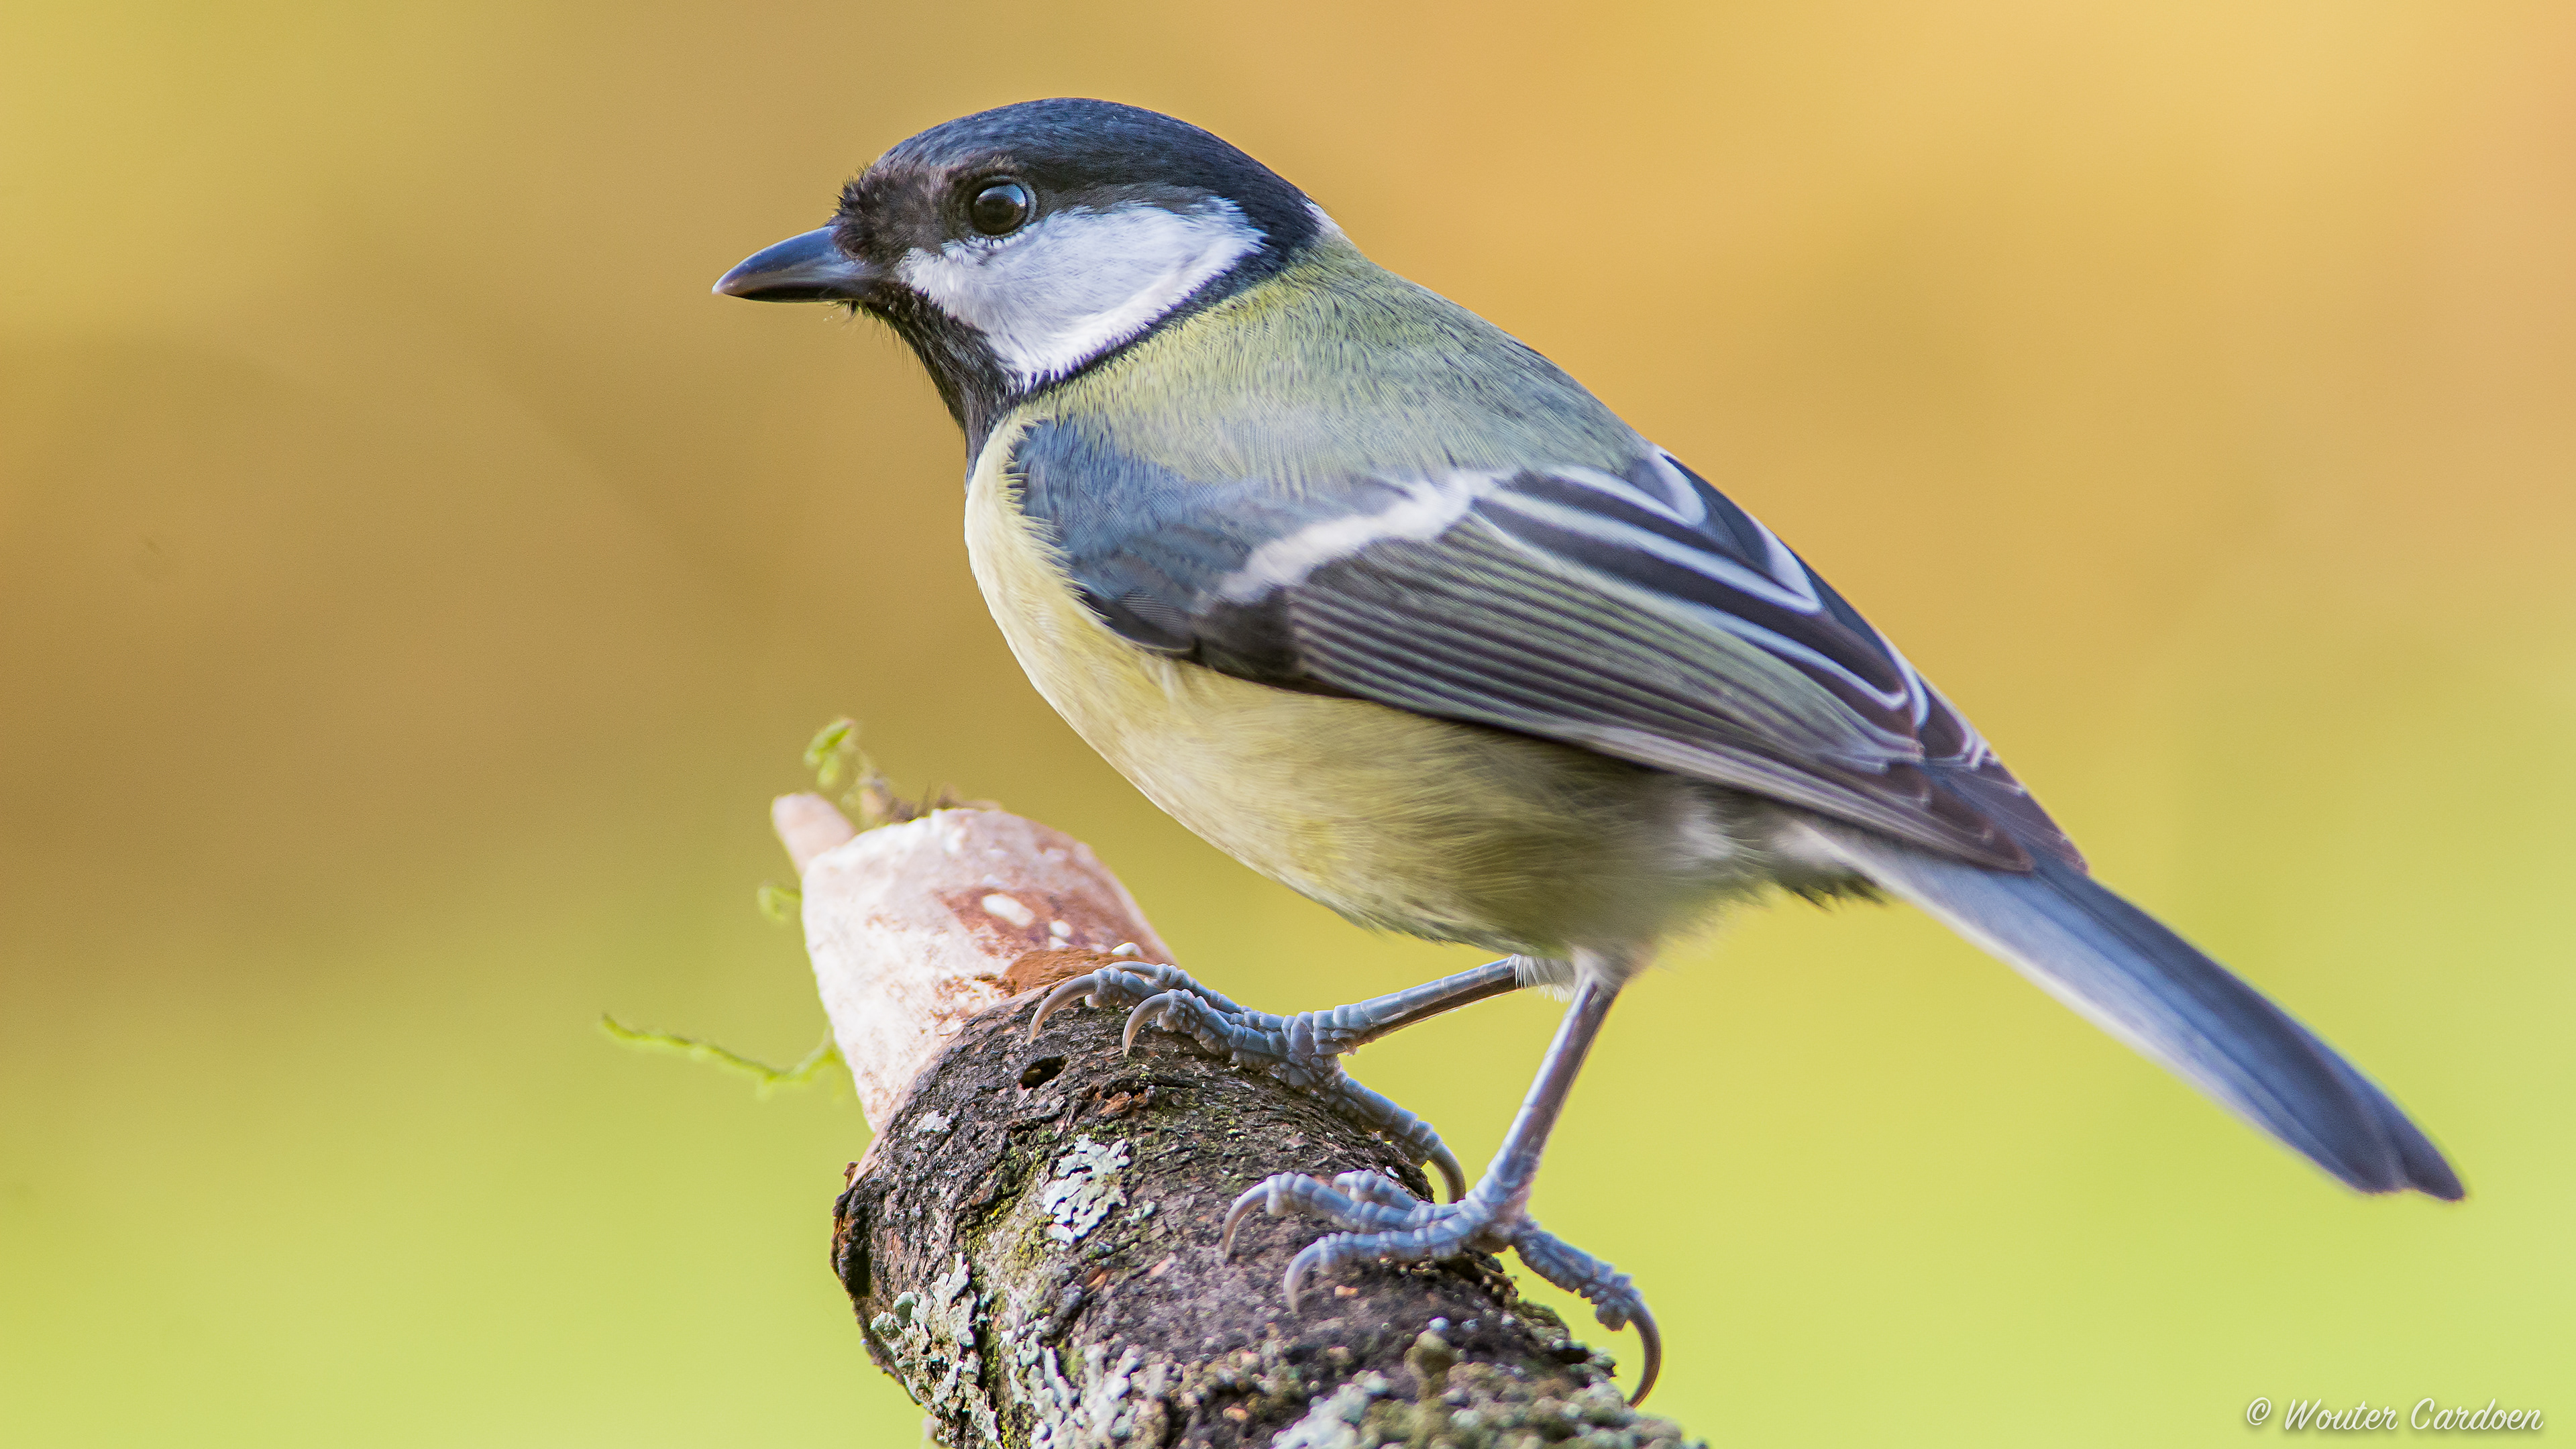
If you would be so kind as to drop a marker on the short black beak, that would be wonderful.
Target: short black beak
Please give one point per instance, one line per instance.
(806, 268)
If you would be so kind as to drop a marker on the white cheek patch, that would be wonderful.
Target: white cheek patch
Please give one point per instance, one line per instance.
(1078, 283)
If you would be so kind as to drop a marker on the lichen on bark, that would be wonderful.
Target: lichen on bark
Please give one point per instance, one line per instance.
(1031, 1248)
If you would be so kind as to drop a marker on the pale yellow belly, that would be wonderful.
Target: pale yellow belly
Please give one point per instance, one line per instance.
(1395, 819)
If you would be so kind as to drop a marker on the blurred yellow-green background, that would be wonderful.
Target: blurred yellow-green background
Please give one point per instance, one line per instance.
(413, 584)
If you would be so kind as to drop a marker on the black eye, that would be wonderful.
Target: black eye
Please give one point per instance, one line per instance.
(1000, 209)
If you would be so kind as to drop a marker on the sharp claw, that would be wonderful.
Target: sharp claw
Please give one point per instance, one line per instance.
(1450, 1172)
(1056, 1001)
(1652, 1340)
(1136, 1023)
(1300, 1266)
(1235, 1215)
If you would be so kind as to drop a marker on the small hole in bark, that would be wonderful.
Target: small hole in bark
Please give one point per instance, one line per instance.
(1040, 1072)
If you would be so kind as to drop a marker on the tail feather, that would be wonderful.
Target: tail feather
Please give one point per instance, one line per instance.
(2126, 972)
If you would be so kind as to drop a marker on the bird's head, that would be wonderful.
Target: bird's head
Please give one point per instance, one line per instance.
(1015, 247)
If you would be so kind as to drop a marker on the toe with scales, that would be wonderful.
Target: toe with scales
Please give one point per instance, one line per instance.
(1380, 1222)
(1376, 1219)
(1301, 1050)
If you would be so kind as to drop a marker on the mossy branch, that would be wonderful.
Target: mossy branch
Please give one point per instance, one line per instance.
(1031, 1243)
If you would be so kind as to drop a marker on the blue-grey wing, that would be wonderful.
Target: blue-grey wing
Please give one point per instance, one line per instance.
(1640, 613)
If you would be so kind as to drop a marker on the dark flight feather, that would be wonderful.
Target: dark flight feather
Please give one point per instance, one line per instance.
(1644, 616)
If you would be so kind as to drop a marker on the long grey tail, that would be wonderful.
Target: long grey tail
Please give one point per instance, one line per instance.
(2125, 972)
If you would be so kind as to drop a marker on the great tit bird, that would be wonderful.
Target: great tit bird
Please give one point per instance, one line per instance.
(1386, 606)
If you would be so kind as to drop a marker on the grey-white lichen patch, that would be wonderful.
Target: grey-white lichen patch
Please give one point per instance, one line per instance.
(1083, 1190)
(931, 1124)
(1475, 1406)
(932, 1335)
(1104, 1404)
(1332, 1424)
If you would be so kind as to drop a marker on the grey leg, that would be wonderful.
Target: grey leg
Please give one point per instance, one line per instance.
(1300, 1050)
(1381, 1222)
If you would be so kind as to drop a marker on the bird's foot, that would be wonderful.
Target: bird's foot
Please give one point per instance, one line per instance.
(1301, 1050)
(1380, 1222)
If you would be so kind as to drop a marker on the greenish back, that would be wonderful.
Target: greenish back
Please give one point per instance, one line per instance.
(1338, 369)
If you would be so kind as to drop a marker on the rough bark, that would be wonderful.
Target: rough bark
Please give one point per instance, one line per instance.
(1031, 1240)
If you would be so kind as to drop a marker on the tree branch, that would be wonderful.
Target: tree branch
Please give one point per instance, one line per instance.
(1031, 1239)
